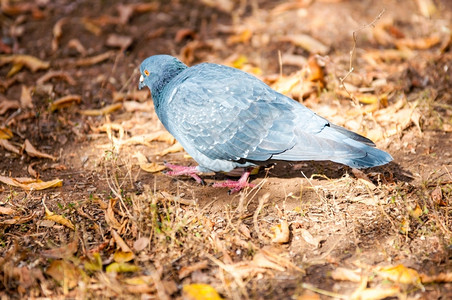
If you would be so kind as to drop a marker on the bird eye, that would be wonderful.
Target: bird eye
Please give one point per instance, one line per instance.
(146, 72)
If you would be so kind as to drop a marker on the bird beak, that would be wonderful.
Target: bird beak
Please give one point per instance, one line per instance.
(141, 84)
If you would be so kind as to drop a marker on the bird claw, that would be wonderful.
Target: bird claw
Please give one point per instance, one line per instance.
(177, 170)
(236, 186)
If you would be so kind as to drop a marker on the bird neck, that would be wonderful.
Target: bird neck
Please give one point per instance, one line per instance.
(168, 74)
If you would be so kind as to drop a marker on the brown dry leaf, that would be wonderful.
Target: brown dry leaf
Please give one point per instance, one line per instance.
(59, 74)
(77, 45)
(8, 146)
(22, 60)
(199, 291)
(375, 293)
(25, 97)
(31, 183)
(132, 106)
(89, 61)
(57, 218)
(121, 268)
(141, 96)
(419, 43)
(242, 37)
(32, 171)
(187, 270)
(65, 273)
(5, 105)
(307, 236)
(224, 5)
(281, 233)
(399, 274)
(63, 252)
(173, 149)
(427, 8)
(307, 42)
(147, 166)
(121, 256)
(93, 25)
(183, 33)
(6, 210)
(441, 277)
(346, 275)
(110, 215)
(18, 220)
(31, 151)
(119, 41)
(437, 196)
(57, 32)
(146, 139)
(141, 243)
(65, 101)
(103, 111)
(120, 242)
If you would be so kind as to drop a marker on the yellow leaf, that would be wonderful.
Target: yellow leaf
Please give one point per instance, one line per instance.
(65, 101)
(103, 111)
(417, 212)
(139, 280)
(31, 150)
(121, 256)
(400, 274)
(57, 218)
(146, 166)
(122, 268)
(30, 183)
(242, 37)
(95, 264)
(200, 291)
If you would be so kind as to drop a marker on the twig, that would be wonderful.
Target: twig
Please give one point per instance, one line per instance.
(262, 201)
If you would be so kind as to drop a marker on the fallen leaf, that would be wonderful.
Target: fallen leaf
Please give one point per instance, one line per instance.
(199, 291)
(59, 74)
(146, 166)
(57, 218)
(375, 293)
(6, 210)
(173, 149)
(65, 273)
(346, 275)
(437, 197)
(122, 257)
(141, 96)
(89, 61)
(441, 277)
(307, 236)
(18, 220)
(6, 105)
(10, 147)
(242, 37)
(65, 101)
(187, 270)
(31, 151)
(119, 41)
(426, 7)
(141, 243)
(64, 252)
(120, 242)
(5, 133)
(30, 183)
(94, 264)
(416, 212)
(307, 42)
(121, 268)
(399, 274)
(32, 171)
(103, 111)
(77, 45)
(25, 97)
(21, 60)
(183, 33)
(57, 32)
(281, 233)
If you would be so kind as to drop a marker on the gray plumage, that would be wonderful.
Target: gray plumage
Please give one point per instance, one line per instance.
(225, 118)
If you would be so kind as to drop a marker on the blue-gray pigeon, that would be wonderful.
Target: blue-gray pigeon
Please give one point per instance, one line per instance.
(226, 119)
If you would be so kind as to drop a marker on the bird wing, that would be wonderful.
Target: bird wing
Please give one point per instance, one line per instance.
(227, 114)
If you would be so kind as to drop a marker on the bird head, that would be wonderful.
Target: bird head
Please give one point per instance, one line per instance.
(156, 71)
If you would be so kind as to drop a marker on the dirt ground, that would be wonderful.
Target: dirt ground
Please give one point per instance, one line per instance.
(86, 211)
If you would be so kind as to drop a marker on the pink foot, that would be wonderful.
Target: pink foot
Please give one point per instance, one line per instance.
(236, 186)
(182, 170)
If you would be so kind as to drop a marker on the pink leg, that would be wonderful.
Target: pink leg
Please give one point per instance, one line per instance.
(182, 170)
(236, 186)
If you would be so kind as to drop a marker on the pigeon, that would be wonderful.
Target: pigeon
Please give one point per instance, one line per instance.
(226, 118)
